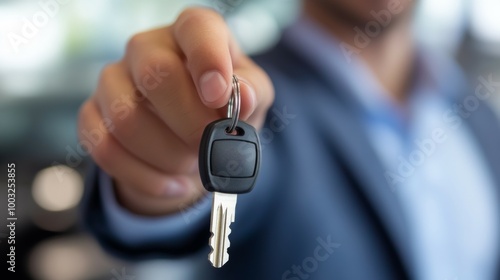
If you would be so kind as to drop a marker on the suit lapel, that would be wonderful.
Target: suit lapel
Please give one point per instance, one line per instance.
(345, 135)
(486, 130)
(348, 139)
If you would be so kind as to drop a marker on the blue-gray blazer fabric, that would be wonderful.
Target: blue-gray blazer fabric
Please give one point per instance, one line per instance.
(321, 208)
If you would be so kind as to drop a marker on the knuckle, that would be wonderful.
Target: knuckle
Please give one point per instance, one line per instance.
(124, 127)
(88, 117)
(201, 19)
(156, 70)
(107, 76)
(84, 115)
(197, 14)
(102, 153)
(135, 42)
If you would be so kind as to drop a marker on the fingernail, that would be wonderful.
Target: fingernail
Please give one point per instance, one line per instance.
(212, 86)
(174, 189)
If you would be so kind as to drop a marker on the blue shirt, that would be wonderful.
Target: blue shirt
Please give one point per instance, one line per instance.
(451, 211)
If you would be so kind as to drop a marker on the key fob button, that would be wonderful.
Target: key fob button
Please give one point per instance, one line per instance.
(233, 159)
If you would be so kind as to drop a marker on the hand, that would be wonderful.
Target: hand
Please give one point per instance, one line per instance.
(156, 102)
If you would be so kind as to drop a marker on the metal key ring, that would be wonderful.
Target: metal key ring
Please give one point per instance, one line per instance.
(233, 107)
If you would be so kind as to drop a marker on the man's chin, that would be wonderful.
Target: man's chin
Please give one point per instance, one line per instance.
(358, 12)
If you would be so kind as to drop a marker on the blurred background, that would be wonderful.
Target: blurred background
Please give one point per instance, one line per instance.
(51, 52)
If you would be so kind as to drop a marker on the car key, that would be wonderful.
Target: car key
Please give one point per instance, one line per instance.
(229, 163)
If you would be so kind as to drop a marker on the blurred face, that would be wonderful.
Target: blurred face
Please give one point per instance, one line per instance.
(359, 11)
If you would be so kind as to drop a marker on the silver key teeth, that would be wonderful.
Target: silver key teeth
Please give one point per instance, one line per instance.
(222, 216)
(220, 242)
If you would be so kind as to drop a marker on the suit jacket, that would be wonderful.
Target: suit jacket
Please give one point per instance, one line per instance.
(322, 208)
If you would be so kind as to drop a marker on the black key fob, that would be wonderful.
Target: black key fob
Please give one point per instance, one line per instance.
(229, 162)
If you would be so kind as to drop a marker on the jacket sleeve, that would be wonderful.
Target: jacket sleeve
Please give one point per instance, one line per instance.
(134, 237)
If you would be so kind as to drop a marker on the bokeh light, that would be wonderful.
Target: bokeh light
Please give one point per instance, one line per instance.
(485, 21)
(57, 188)
(69, 258)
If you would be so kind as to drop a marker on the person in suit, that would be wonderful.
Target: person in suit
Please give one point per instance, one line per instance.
(378, 160)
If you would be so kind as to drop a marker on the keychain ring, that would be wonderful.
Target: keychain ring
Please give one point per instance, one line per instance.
(233, 107)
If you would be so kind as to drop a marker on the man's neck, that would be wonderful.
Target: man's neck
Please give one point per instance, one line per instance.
(389, 55)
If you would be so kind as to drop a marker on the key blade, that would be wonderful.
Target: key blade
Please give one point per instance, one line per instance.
(223, 212)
